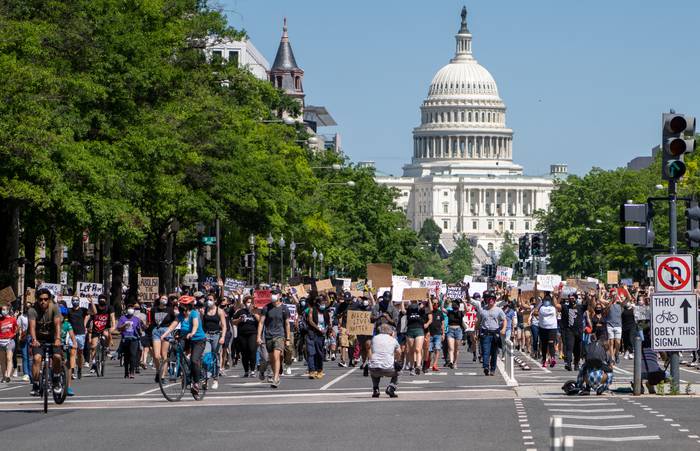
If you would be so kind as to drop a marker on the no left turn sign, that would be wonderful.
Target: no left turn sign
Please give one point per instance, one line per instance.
(674, 273)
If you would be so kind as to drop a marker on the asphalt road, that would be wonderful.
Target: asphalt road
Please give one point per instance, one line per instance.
(451, 409)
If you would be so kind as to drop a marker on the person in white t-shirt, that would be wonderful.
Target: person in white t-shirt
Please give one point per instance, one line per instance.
(382, 362)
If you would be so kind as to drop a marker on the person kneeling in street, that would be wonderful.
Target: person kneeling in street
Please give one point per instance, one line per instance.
(386, 352)
(596, 373)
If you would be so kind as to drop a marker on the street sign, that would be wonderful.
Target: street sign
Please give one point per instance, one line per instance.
(674, 273)
(674, 322)
(209, 240)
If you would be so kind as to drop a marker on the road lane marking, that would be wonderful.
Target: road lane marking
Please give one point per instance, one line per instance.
(595, 417)
(339, 378)
(587, 411)
(616, 439)
(604, 427)
(155, 389)
(12, 388)
(593, 404)
(537, 364)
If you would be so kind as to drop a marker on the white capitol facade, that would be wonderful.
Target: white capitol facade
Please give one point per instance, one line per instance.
(462, 173)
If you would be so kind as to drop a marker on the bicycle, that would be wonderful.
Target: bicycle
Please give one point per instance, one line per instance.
(46, 379)
(100, 356)
(666, 316)
(176, 374)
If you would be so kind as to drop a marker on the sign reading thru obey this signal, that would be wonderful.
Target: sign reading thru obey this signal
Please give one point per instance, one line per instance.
(674, 273)
(674, 322)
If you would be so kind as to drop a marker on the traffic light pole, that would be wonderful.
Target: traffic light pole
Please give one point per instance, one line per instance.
(672, 220)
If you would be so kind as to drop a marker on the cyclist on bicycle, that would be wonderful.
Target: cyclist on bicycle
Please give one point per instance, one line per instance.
(190, 324)
(69, 342)
(45, 329)
(103, 324)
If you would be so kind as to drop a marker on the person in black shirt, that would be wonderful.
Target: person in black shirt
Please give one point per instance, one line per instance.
(78, 318)
(455, 333)
(247, 323)
(437, 335)
(162, 315)
(417, 321)
(572, 317)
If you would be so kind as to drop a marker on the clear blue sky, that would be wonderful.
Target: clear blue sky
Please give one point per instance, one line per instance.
(585, 82)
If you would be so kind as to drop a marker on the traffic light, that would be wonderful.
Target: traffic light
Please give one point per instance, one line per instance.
(692, 231)
(641, 235)
(677, 138)
(537, 244)
(524, 247)
(545, 249)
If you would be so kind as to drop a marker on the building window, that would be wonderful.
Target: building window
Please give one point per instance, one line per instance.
(489, 225)
(445, 225)
(279, 81)
(216, 56)
(445, 208)
(233, 57)
(444, 193)
(489, 247)
(512, 225)
(297, 83)
(462, 116)
(500, 226)
(474, 225)
(527, 225)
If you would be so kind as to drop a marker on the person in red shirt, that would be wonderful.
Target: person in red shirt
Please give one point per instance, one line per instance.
(8, 330)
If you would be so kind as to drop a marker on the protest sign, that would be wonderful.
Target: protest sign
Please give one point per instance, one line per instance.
(261, 298)
(292, 309)
(232, 285)
(417, 294)
(379, 274)
(148, 289)
(567, 290)
(356, 293)
(359, 285)
(526, 285)
(300, 291)
(454, 292)
(524, 296)
(398, 288)
(358, 323)
(467, 279)
(54, 288)
(513, 295)
(432, 284)
(504, 273)
(7, 295)
(347, 283)
(477, 287)
(88, 289)
(324, 285)
(548, 282)
(627, 282)
(470, 318)
(613, 277)
(30, 295)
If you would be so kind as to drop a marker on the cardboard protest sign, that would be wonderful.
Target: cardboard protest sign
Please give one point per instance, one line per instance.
(358, 323)
(55, 288)
(379, 274)
(454, 292)
(613, 277)
(232, 285)
(524, 296)
(324, 285)
(548, 282)
(148, 289)
(467, 279)
(504, 273)
(300, 291)
(356, 293)
(89, 289)
(417, 294)
(261, 298)
(7, 295)
(514, 292)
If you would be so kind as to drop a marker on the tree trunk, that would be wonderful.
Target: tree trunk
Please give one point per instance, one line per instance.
(9, 244)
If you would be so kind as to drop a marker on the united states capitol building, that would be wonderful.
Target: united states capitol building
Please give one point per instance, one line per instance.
(462, 173)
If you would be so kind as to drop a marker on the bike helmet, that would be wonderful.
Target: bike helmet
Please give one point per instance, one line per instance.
(186, 300)
(571, 388)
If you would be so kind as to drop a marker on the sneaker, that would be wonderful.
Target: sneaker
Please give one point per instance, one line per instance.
(544, 364)
(69, 392)
(474, 358)
(246, 374)
(435, 368)
(417, 371)
(600, 390)
(14, 374)
(626, 356)
(391, 391)
(486, 372)
(87, 365)
(80, 373)
(365, 371)
(412, 372)
(454, 366)
(269, 379)
(275, 383)
(342, 365)
(567, 367)
(576, 367)
(35, 390)
(333, 358)
(492, 373)
(585, 392)
(312, 374)
(288, 371)
(319, 375)
(25, 378)
(194, 389)
(261, 372)
(214, 384)
(73, 376)
(375, 393)
(552, 362)
(252, 373)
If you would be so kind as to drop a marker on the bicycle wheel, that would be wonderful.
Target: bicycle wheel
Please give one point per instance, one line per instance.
(45, 385)
(172, 379)
(60, 397)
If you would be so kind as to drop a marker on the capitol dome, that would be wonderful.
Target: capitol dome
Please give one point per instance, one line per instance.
(463, 119)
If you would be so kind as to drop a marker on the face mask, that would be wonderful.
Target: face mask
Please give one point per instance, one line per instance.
(163, 302)
(129, 312)
(248, 305)
(547, 303)
(365, 302)
(75, 303)
(210, 303)
(579, 302)
(598, 310)
(275, 298)
(4, 312)
(322, 307)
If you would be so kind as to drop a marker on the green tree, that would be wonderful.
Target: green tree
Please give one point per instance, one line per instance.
(508, 255)
(430, 232)
(460, 261)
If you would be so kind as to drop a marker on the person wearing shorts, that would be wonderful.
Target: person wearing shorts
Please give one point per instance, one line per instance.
(613, 322)
(454, 333)
(417, 320)
(45, 328)
(8, 330)
(437, 335)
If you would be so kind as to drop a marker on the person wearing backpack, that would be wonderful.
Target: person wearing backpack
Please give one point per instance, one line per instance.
(596, 372)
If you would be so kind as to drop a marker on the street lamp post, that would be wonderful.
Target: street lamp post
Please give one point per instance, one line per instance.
(200, 227)
(281, 244)
(320, 259)
(270, 240)
(251, 241)
(292, 261)
(314, 255)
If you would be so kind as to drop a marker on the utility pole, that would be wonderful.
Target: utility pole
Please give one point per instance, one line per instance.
(218, 248)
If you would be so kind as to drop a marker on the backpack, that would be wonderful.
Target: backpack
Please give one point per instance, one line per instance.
(596, 357)
(303, 326)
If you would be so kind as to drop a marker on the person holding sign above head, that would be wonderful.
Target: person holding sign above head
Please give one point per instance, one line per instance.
(418, 319)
